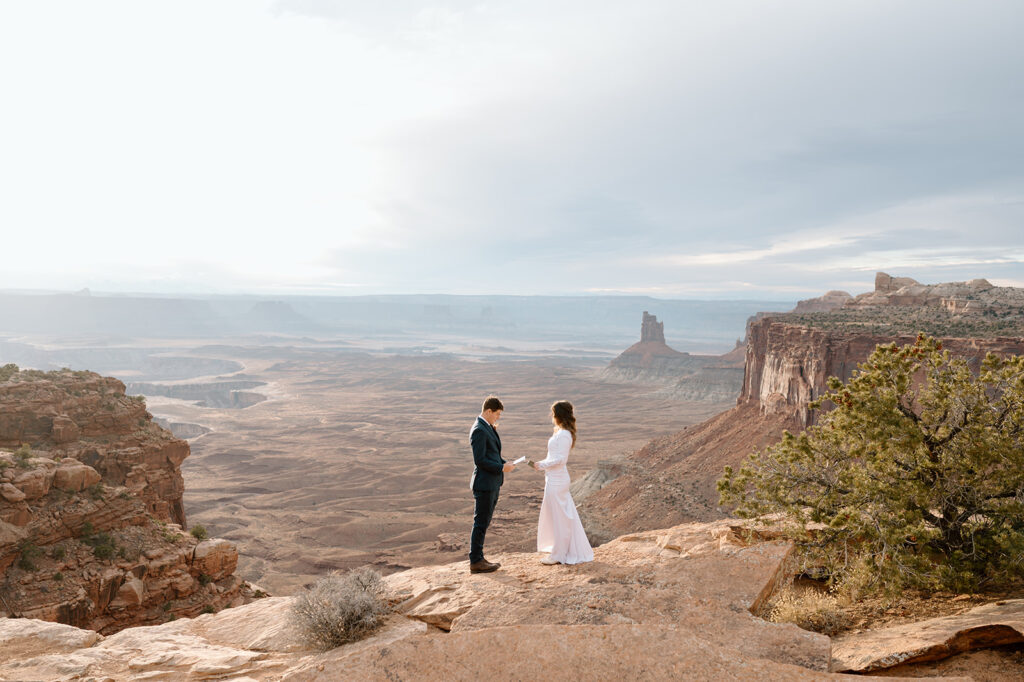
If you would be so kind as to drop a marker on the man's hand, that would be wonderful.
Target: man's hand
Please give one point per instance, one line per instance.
(509, 466)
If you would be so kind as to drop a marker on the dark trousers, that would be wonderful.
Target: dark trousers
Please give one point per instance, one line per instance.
(485, 501)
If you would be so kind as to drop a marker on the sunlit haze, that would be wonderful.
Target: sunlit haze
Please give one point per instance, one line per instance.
(719, 149)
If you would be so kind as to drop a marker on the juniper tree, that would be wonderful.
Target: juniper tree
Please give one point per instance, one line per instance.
(914, 478)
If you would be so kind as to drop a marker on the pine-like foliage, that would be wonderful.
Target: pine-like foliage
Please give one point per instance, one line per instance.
(915, 478)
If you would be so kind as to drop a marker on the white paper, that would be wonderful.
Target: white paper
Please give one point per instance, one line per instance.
(520, 460)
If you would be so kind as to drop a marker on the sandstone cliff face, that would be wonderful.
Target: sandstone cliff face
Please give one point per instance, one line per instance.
(789, 365)
(91, 515)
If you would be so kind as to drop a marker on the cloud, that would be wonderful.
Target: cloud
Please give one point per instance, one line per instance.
(519, 147)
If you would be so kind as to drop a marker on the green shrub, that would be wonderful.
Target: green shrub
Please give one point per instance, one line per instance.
(58, 576)
(199, 532)
(87, 529)
(58, 552)
(340, 608)
(915, 479)
(22, 456)
(204, 579)
(209, 609)
(8, 371)
(103, 545)
(96, 491)
(29, 553)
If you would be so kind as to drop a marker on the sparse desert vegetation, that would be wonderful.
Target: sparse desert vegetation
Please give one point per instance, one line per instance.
(340, 608)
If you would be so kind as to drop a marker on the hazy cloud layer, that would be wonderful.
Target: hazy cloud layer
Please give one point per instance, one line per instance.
(671, 148)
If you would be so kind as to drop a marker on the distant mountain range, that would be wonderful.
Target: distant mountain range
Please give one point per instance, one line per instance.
(702, 326)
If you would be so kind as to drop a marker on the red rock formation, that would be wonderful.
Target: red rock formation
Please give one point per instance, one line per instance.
(651, 330)
(91, 513)
(789, 365)
(691, 377)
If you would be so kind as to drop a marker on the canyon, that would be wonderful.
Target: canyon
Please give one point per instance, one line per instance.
(382, 433)
(789, 357)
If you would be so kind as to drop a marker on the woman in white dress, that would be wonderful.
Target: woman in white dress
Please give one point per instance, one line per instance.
(559, 531)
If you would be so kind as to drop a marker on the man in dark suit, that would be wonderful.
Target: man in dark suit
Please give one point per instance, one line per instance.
(488, 475)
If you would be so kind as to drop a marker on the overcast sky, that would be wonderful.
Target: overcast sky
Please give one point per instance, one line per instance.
(718, 149)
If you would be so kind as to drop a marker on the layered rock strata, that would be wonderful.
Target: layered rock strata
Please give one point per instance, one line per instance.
(91, 516)
(788, 365)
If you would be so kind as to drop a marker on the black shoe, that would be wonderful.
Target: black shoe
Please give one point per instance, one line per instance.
(483, 566)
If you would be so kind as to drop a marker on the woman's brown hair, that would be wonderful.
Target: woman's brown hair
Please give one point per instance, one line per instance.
(562, 412)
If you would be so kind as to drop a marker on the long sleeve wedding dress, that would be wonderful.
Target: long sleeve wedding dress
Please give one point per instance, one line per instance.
(559, 531)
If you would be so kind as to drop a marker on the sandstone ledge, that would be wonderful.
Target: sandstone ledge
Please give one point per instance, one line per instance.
(686, 591)
(986, 626)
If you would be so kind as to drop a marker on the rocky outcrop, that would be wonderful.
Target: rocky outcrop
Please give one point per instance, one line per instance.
(711, 378)
(651, 331)
(832, 300)
(991, 625)
(91, 516)
(671, 604)
(904, 291)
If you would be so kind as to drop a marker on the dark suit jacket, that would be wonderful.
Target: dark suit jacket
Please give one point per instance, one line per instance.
(487, 473)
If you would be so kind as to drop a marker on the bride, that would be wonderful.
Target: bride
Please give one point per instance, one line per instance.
(559, 531)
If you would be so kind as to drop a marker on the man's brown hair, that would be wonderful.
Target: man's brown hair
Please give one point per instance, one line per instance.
(492, 403)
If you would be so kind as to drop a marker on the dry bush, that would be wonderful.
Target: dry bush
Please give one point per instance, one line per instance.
(809, 609)
(340, 608)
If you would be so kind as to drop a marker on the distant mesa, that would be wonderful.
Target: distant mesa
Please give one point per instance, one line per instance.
(650, 348)
(231, 394)
(710, 378)
(276, 316)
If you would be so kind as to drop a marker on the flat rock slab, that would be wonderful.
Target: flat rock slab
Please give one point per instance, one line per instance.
(983, 627)
(699, 577)
(579, 653)
(26, 637)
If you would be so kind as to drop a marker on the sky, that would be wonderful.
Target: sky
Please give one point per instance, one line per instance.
(679, 149)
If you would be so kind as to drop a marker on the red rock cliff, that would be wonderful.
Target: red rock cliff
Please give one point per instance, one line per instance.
(91, 516)
(788, 365)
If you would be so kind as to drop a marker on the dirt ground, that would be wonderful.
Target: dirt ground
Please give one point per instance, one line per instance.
(363, 458)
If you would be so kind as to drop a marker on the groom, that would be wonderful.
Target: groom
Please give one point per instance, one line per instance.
(488, 475)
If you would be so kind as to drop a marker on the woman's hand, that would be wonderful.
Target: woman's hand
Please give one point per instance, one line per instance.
(534, 465)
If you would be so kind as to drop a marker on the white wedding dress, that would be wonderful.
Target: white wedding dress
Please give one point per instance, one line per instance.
(559, 531)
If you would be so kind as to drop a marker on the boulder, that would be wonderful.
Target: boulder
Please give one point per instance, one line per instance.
(11, 493)
(216, 558)
(129, 595)
(36, 482)
(983, 627)
(72, 476)
(30, 637)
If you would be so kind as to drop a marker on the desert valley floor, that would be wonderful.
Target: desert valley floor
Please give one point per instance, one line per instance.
(362, 458)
